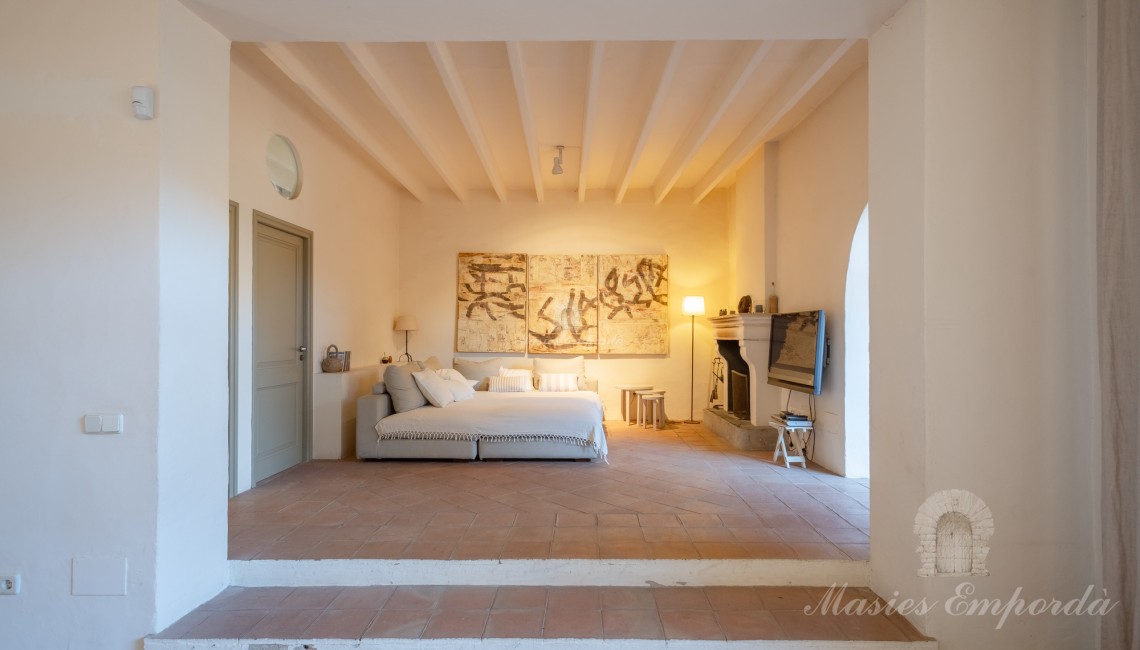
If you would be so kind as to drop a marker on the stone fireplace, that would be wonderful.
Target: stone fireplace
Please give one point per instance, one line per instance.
(742, 340)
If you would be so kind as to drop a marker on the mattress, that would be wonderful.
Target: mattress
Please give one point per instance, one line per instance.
(534, 416)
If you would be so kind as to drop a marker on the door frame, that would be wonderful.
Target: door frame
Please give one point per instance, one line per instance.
(232, 368)
(306, 236)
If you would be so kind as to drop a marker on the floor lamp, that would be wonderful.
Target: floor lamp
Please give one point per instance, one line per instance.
(406, 324)
(692, 306)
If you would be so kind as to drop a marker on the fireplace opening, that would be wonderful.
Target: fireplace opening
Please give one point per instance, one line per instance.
(737, 396)
(738, 389)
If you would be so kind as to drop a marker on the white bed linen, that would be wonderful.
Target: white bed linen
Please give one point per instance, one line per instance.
(574, 417)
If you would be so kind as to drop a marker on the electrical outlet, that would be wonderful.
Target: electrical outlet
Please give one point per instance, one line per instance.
(9, 585)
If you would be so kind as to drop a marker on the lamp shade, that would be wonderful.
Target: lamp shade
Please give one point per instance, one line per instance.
(691, 306)
(406, 323)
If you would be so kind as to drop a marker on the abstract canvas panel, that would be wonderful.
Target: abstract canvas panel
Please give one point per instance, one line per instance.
(490, 312)
(563, 304)
(633, 309)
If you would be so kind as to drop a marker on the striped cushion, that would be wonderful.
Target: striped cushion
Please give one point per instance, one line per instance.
(512, 384)
(519, 372)
(558, 382)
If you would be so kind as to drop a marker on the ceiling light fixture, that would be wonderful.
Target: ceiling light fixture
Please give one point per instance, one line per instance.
(558, 162)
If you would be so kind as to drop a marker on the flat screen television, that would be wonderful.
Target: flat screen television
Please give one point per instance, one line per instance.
(796, 351)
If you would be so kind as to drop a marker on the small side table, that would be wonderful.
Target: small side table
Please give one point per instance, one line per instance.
(642, 397)
(789, 442)
(628, 395)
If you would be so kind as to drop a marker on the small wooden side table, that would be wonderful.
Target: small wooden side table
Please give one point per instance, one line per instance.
(790, 442)
(628, 395)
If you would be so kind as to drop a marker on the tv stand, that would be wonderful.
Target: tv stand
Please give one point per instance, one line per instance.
(789, 441)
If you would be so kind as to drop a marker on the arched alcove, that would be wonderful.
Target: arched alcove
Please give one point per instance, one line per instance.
(953, 544)
(857, 355)
(954, 528)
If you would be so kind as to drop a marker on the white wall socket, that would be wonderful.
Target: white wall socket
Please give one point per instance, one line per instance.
(9, 585)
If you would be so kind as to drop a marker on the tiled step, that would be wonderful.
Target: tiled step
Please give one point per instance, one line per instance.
(328, 618)
(605, 573)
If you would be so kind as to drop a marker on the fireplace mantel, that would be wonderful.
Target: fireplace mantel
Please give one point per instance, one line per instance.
(752, 332)
(741, 327)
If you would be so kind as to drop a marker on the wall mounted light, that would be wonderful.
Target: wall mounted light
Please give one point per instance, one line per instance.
(142, 101)
(558, 162)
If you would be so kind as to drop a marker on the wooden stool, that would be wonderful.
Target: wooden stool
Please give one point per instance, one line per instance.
(655, 404)
(641, 403)
(627, 396)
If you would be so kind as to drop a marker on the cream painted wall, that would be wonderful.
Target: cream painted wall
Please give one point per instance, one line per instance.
(193, 305)
(821, 192)
(983, 342)
(694, 237)
(797, 205)
(352, 212)
(87, 202)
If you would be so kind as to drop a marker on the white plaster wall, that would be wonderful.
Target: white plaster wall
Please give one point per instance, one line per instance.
(193, 304)
(998, 208)
(857, 355)
(797, 205)
(351, 210)
(694, 237)
(896, 184)
(84, 211)
(748, 220)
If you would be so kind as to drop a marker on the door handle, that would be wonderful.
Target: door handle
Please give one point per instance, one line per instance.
(302, 350)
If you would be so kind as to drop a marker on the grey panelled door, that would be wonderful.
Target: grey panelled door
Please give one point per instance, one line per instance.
(279, 304)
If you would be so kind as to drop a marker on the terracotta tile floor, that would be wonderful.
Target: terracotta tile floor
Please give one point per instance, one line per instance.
(677, 493)
(423, 612)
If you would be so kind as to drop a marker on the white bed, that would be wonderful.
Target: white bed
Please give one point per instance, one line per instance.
(529, 424)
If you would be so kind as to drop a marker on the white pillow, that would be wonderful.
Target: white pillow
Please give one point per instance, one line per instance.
(519, 372)
(510, 384)
(461, 387)
(451, 373)
(461, 390)
(558, 382)
(576, 365)
(435, 388)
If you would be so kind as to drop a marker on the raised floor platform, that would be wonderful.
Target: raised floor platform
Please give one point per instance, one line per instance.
(421, 616)
(739, 434)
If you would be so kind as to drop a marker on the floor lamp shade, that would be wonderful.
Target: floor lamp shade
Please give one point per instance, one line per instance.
(406, 324)
(692, 306)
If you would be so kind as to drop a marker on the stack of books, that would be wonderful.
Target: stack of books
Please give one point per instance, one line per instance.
(794, 419)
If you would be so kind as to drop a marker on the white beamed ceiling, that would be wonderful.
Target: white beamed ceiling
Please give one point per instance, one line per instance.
(653, 100)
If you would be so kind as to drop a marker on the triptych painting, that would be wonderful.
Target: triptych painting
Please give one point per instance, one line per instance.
(562, 304)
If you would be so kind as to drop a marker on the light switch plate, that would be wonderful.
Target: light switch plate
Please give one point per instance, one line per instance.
(113, 423)
(92, 423)
(103, 423)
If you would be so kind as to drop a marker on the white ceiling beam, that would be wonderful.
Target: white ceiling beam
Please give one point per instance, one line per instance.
(449, 74)
(340, 113)
(802, 79)
(734, 81)
(593, 81)
(369, 69)
(650, 120)
(514, 53)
